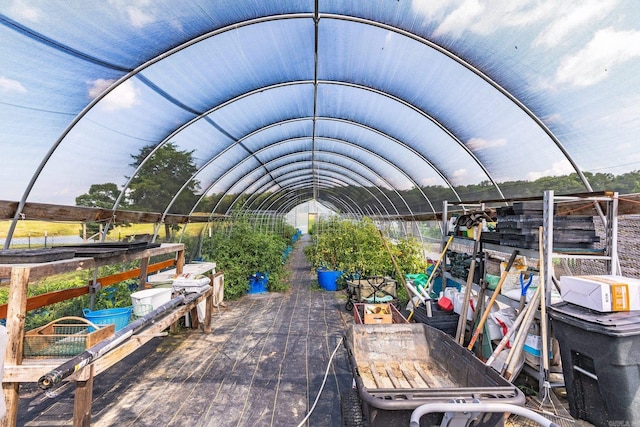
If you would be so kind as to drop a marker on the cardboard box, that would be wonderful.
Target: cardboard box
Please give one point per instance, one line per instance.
(377, 313)
(602, 293)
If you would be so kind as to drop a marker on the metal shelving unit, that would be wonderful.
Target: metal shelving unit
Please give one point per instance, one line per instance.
(609, 255)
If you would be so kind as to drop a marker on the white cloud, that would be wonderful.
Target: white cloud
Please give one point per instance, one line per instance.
(138, 12)
(568, 17)
(26, 10)
(625, 114)
(458, 176)
(476, 144)
(99, 86)
(555, 20)
(426, 182)
(123, 97)
(462, 18)
(608, 49)
(429, 9)
(563, 167)
(10, 85)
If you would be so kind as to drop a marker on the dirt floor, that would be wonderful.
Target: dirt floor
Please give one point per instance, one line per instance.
(263, 364)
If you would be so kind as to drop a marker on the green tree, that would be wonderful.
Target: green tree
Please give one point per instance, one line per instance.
(160, 178)
(99, 196)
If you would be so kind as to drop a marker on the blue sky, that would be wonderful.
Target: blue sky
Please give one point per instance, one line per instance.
(575, 64)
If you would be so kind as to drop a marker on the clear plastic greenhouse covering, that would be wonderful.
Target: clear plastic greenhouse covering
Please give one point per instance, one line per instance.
(380, 107)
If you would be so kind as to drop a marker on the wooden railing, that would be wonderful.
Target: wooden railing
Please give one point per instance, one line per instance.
(49, 298)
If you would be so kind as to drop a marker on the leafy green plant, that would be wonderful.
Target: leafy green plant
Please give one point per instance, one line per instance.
(240, 249)
(349, 246)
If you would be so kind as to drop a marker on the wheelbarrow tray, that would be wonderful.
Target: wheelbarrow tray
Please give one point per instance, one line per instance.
(398, 367)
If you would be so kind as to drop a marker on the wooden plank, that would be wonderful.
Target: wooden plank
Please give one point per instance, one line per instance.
(423, 374)
(395, 375)
(207, 314)
(49, 212)
(65, 294)
(15, 330)
(82, 401)
(63, 266)
(410, 375)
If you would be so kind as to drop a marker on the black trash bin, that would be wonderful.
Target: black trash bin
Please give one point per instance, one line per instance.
(601, 363)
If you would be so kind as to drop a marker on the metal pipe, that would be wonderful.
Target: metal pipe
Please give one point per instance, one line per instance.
(55, 376)
(478, 407)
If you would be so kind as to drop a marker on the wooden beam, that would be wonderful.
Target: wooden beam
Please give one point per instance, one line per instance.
(65, 294)
(48, 212)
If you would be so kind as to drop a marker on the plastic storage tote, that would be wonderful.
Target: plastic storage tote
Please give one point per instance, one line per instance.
(601, 363)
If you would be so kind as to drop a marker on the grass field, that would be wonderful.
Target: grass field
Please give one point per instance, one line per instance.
(40, 228)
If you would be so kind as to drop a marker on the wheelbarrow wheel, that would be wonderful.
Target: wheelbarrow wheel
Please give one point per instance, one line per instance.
(348, 306)
(351, 409)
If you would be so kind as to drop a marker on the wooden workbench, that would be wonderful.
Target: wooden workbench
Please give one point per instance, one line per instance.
(16, 372)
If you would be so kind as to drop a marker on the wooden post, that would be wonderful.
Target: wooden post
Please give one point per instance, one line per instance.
(180, 262)
(209, 307)
(82, 401)
(142, 278)
(16, 310)
(193, 313)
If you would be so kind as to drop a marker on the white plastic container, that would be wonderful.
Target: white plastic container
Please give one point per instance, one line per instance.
(459, 301)
(149, 299)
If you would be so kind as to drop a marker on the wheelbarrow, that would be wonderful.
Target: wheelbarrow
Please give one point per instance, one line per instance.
(398, 367)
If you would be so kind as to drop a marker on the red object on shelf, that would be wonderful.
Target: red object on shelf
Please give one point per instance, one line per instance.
(445, 304)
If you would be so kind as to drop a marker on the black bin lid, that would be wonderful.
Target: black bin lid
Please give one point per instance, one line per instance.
(618, 324)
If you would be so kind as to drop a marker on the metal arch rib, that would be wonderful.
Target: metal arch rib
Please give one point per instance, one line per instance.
(336, 166)
(323, 187)
(316, 15)
(362, 149)
(366, 127)
(295, 153)
(345, 180)
(362, 87)
(116, 84)
(334, 154)
(262, 89)
(477, 72)
(305, 171)
(344, 177)
(427, 116)
(287, 190)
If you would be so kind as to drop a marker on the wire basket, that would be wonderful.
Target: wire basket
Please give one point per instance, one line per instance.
(63, 338)
(141, 310)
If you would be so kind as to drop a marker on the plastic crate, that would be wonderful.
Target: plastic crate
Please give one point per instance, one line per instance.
(63, 338)
(600, 355)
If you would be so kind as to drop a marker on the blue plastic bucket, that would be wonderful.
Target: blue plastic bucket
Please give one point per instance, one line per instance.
(258, 283)
(328, 279)
(118, 316)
